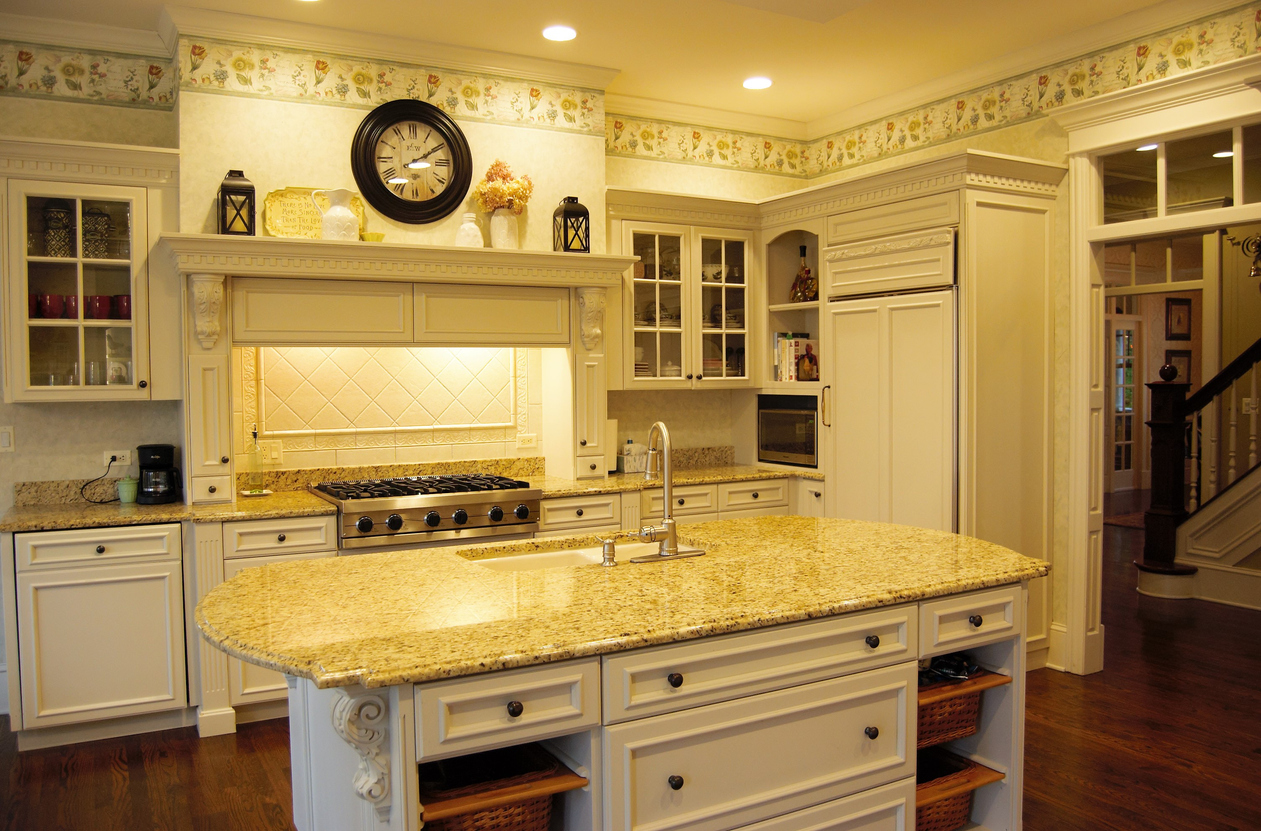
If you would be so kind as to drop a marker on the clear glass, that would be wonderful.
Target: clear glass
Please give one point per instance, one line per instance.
(1197, 176)
(722, 311)
(1129, 185)
(106, 230)
(1117, 265)
(1252, 163)
(52, 229)
(658, 306)
(1186, 257)
(54, 355)
(1150, 262)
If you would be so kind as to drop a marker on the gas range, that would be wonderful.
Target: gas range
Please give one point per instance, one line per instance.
(411, 511)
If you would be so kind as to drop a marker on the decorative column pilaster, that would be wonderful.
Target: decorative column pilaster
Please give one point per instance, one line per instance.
(207, 294)
(362, 720)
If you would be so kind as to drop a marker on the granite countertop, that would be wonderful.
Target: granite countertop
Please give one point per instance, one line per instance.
(413, 616)
(82, 515)
(625, 482)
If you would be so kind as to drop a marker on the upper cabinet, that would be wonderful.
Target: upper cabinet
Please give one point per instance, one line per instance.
(686, 307)
(77, 282)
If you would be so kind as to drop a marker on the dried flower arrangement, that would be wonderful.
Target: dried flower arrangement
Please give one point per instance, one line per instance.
(500, 189)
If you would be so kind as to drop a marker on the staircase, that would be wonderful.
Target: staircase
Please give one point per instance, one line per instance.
(1205, 515)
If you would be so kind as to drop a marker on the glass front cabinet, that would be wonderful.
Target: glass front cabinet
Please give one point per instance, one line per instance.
(76, 292)
(687, 307)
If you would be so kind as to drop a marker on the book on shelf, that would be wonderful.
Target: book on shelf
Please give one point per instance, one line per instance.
(796, 357)
(785, 363)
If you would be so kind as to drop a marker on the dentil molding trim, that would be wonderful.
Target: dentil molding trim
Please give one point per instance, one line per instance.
(71, 161)
(903, 244)
(361, 721)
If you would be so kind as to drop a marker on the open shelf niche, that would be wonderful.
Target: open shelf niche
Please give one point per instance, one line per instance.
(783, 258)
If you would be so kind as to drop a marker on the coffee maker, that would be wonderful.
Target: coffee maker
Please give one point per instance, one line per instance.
(160, 480)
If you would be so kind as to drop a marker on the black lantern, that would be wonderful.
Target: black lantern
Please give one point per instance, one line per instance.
(236, 205)
(571, 227)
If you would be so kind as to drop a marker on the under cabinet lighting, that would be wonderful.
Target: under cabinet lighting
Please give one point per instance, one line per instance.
(559, 33)
(757, 82)
(1224, 154)
(1146, 147)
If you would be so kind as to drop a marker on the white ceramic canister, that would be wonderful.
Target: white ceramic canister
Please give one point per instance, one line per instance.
(503, 229)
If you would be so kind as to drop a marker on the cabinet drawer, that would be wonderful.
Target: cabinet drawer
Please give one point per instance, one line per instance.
(509, 315)
(580, 511)
(812, 742)
(919, 260)
(894, 217)
(590, 467)
(47, 549)
(970, 620)
(637, 684)
(212, 489)
(291, 535)
(464, 715)
(696, 499)
(736, 496)
(887, 808)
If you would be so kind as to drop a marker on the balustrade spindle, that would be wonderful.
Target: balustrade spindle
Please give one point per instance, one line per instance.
(1211, 490)
(1252, 422)
(1195, 461)
(1230, 438)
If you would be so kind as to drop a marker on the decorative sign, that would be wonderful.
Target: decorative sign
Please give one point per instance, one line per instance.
(290, 213)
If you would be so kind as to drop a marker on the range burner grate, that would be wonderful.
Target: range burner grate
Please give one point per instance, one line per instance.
(419, 486)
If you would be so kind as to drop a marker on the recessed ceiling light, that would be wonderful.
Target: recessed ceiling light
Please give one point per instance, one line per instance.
(559, 33)
(1146, 147)
(1224, 154)
(757, 82)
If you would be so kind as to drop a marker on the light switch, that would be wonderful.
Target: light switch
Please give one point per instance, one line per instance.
(6, 439)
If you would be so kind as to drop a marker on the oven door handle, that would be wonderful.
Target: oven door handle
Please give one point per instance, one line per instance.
(823, 404)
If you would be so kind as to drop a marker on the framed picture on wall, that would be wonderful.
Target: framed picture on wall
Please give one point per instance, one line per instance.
(1180, 359)
(1177, 318)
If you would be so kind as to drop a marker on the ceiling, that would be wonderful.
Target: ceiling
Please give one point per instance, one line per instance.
(826, 57)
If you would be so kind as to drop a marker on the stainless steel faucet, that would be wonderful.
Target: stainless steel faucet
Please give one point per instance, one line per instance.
(659, 461)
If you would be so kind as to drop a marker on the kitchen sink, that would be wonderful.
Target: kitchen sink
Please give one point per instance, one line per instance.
(591, 555)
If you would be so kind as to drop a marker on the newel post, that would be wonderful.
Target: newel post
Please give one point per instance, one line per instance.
(1168, 504)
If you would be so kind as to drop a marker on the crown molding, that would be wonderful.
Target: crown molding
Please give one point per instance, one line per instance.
(177, 21)
(659, 206)
(1130, 26)
(75, 161)
(654, 110)
(77, 35)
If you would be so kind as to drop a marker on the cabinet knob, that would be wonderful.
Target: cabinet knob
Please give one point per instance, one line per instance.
(211, 489)
(689, 376)
(675, 782)
(873, 641)
(582, 443)
(680, 501)
(515, 708)
(675, 680)
(280, 538)
(143, 384)
(593, 465)
(976, 620)
(817, 494)
(755, 494)
(100, 549)
(872, 732)
(578, 512)
(223, 459)
(700, 377)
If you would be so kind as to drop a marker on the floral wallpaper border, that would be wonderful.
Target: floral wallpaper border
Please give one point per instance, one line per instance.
(217, 66)
(63, 72)
(1205, 42)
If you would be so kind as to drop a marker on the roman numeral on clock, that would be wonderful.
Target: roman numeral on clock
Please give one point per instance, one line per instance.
(398, 188)
(439, 179)
(385, 158)
(398, 133)
(442, 162)
(389, 172)
(412, 129)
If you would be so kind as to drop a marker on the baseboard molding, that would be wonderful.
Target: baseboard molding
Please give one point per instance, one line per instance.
(105, 729)
(1058, 654)
(215, 722)
(263, 711)
(1225, 585)
(1036, 657)
(4, 689)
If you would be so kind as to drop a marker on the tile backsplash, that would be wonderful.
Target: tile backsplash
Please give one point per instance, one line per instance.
(337, 406)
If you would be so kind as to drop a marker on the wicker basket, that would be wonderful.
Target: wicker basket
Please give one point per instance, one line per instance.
(951, 709)
(509, 789)
(944, 784)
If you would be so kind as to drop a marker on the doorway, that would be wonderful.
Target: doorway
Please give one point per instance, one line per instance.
(1126, 467)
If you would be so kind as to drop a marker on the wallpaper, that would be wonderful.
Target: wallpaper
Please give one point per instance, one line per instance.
(86, 75)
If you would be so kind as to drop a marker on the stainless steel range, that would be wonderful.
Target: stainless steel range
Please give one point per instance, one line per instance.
(428, 510)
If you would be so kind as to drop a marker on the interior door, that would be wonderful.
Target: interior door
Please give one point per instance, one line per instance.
(1124, 461)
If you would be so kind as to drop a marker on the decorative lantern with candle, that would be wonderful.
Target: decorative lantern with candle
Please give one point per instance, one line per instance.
(571, 227)
(236, 205)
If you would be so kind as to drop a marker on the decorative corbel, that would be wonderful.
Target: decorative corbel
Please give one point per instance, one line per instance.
(361, 721)
(591, 317)
(207, 293)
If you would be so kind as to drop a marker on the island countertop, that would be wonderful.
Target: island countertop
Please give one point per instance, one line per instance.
(414, 616)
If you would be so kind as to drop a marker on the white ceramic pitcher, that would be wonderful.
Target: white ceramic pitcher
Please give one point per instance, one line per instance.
(339, 221)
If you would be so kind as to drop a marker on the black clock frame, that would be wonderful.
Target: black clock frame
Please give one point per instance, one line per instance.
(363, 162)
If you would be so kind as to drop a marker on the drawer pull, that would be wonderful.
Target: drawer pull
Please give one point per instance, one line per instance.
(872, 732)
(593, 465)
(755, 494)
(675, 782)
(873, 641)
(578, 512)
(211, 489)
(223, 459)
(515, 708)
(817, 494)
(100, 549)
(582, 442)
(976, 620)
(675, 680)
(681, 501)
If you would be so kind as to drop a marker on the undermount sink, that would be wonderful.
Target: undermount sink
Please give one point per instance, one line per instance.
(592, 555)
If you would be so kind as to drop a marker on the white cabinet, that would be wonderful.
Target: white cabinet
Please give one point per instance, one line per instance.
(209, 409)
(729, 500)
(320, 311)
(99, 635)
(808, 498)
(593, 513)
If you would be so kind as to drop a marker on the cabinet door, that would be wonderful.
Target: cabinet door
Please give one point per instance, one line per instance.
(77, 288)
(807, 498)
(209, 451)
(320, 312)
(591, 409)
(721, 313)
(249, 683)
(893, 445)
(657, 352)
(100, 642)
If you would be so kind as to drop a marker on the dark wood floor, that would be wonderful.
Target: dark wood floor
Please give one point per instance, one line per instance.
(1168, 736)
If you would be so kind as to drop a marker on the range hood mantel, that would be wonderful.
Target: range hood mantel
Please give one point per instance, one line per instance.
(328, 259)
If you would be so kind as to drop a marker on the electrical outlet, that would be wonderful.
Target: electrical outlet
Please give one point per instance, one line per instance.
(527, 440)
(6, 440)
(272, 450)
(122, 458)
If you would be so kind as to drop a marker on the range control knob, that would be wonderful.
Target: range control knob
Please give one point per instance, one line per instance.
(460, 516)
(522, 512)
(496, 514)
(433, 519)
(364, 524)
(394, 522)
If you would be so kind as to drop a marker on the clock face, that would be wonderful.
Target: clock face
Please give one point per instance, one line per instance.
(411, 161)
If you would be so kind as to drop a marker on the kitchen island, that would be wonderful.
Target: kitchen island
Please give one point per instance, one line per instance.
(420, 655)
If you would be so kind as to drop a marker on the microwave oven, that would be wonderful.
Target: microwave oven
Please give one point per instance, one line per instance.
(787, 430)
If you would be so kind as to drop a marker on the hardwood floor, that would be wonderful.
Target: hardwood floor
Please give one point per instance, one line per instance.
(1168, 736)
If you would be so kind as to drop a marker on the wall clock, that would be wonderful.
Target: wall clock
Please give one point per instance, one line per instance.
(411, 162)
